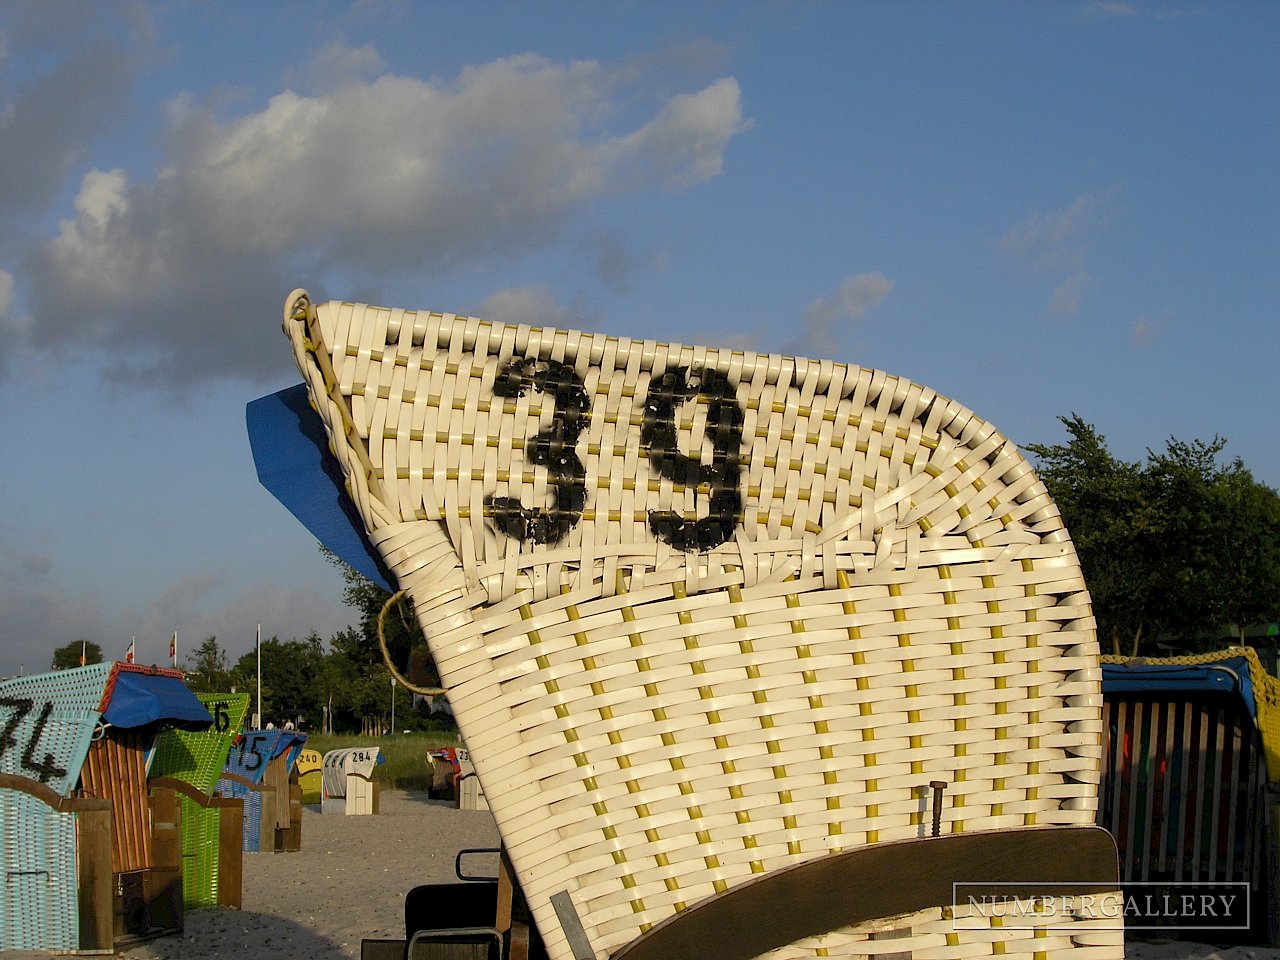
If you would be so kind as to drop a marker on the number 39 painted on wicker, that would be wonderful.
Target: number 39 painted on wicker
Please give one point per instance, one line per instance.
(554, 449)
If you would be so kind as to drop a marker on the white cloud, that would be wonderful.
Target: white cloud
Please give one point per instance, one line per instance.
(6, 294)
(1066, 299)
(1113, 8)
(1145, 332)
(533, 305)
(1056, 238)
(338, 64)
(684, 144)
(387, 177)
(1119, 8)
(47, 122)
(855, 296)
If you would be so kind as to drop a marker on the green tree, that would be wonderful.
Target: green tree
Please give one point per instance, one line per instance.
(1219, 556)
(207, 668)
(290, 678)
(1101, 501)
(69, 655)
(1174, 548)
(354, 681)
(405, 642)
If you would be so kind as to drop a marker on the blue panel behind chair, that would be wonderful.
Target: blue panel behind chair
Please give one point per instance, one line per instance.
(291, 453)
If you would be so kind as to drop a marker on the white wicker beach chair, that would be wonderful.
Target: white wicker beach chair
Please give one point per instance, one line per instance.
(725, 630)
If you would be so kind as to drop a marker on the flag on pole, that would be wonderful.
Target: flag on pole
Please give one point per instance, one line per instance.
(83, 644)
(173, 648)
(128, 655)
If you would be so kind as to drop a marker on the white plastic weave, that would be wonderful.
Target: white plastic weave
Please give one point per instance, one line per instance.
(705, 613)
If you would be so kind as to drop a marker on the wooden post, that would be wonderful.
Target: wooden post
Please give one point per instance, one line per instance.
(290, 838)
(230, 850)
(163, 886)
(1271, 858)
(96, 894)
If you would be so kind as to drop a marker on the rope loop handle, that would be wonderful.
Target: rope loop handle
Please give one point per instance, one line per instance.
(386, 654)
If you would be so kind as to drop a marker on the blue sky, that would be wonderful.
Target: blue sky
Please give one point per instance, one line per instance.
(1035, 209)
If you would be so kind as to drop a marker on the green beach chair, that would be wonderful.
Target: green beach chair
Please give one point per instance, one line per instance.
(191, 763)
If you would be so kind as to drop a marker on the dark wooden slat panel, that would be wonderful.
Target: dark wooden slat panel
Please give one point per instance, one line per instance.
(877, 881)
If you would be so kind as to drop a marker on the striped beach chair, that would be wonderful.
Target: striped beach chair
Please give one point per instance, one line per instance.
(75, 818)
(755, 656)
(48, 723)
(310, 778)
(190, 764)
(257, 772)
(1190, 759)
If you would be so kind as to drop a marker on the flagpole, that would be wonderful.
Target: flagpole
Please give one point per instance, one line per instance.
(259, 644)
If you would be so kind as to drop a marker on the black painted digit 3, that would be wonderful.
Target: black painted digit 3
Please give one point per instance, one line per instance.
(552, 449)
(723, 475)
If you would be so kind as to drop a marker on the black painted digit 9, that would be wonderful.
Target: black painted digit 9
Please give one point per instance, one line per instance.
(552, 448)
(723, 475)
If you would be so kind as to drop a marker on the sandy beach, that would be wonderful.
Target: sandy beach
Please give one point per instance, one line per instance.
(349, 880)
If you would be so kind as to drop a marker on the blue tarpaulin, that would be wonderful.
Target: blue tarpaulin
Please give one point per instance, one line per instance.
(291, 454)
(140, 698)
(1223, 676)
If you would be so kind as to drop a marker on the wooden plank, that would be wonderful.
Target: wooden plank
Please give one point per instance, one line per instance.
(1200, 722)
(1134, 775)
(1173, 798)
(267, 819)
(1186, 801)
(1219, 747)
(115, 769)
(290, 839)
(230, 851)
(881, 880)
(1259, 870)
(1168, 821)
(190, 791)
(96, 892)
(163, 886)
(1117, 779)
(381, 949)
(1237, 807)
(506, 893)
(1151, 785)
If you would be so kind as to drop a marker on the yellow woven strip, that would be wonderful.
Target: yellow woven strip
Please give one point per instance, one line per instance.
(910, 689)
(624, 762)
(958, 723)
(849, 608)
(582, 761)
(753, 673)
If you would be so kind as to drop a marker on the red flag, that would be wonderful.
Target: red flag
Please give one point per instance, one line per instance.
(128, 656)
(173, 648)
